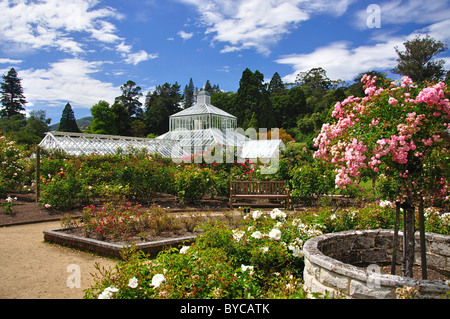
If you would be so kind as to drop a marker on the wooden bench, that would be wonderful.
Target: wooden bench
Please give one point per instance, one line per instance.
(259, 189)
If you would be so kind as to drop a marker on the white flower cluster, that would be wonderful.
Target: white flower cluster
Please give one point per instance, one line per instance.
(276, 213)
(245, 268)
(133, 283)
(10, 199)
(184, 249)
(257, 214)
(238, 234)
(108, 293)
(296, 247)
(385, 203)
(309, 230)
(275, 234)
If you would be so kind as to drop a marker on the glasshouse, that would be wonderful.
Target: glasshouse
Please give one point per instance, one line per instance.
(204, 126)
(193, 130)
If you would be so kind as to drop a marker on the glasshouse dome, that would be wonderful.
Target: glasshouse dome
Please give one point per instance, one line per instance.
(203, 126)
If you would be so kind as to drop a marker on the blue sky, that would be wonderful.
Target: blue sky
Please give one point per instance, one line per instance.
(82, 51)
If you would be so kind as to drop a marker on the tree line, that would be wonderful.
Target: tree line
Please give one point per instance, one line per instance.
(300, 108)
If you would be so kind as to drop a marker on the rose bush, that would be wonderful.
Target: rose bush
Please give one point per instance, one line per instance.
(400, 131)
(14, 167)
(260, 259)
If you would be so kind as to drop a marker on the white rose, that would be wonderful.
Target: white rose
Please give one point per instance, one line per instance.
(157, 280)
(275, 234)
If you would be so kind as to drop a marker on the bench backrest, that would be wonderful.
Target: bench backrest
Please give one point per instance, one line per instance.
(258, 187)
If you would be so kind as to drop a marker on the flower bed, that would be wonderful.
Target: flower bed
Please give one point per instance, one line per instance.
(65, 237)
(111, 229)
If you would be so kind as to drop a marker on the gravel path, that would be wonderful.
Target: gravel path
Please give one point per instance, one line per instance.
(33, 269)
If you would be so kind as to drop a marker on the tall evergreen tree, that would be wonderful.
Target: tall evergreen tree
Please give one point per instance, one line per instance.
(276, 84)
(416, 62)
(13, 100)
(252, 102)
(159, 105)
(68, 122)
(188, 96)
(211, 89)
(122, 119)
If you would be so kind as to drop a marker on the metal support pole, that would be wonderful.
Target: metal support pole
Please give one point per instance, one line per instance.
(423, 250)
(395, 241)
(408, 240)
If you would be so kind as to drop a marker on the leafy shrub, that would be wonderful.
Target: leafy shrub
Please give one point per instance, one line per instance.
(191, 183)
(14, 167)
(222, 263)
(311, 180)
(63, 192)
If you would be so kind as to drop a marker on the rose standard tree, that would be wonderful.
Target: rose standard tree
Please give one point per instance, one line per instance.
(397, 132)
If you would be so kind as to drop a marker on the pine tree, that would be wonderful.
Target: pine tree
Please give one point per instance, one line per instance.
(13, 99)
(68, 122)
(189, 97)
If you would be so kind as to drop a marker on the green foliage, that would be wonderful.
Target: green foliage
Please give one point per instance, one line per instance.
(260, 259)
(159, 105)
(103, 119)
(310, 180)
(12, 97)
(417, 60)
(14, 166)
(191, 183)
(68, 122)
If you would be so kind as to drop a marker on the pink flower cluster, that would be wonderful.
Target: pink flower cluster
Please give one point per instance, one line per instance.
(397, 146)
(338, 144)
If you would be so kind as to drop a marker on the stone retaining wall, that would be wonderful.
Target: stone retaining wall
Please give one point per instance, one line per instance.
(347, 264)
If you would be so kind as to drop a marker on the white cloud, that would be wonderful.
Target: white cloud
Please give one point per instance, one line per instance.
(140, 56)
(9, 61)
(259, 24)
(185, 35)
(54, 24)
(62, 25)
(343, 62)
(68, 80)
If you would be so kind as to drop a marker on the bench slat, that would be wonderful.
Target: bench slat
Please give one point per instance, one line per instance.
(259, 189)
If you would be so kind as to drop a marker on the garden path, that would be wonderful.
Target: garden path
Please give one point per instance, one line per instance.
(33, 269)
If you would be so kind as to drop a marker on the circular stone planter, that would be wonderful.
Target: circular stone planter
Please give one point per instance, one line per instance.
(102, 248)
(347, 264)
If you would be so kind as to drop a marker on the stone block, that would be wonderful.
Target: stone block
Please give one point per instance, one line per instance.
(363, 290)
(334, 280)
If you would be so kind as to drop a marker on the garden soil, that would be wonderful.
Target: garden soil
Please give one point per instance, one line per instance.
(33, 269)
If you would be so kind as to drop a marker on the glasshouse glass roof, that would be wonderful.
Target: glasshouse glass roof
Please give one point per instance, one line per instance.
(207, 137)
(203, 106)
(87, 144)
